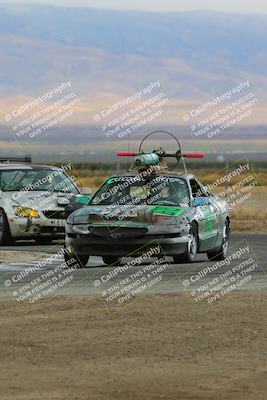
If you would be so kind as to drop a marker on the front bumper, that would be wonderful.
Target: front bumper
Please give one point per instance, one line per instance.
(120, 245)
(36, 227)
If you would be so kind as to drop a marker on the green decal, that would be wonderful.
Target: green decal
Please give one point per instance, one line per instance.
(111, 180)
(209, 220)
(172, 211)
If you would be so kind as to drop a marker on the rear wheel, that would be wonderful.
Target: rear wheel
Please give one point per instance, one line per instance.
(111, 260)
(5, 234)
(190, 253)
(220, 253)
(72, 259)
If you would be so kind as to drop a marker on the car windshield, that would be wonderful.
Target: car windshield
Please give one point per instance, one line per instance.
(158, 190)
(36, 180)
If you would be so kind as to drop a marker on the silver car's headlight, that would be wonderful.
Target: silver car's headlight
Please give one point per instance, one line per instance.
(25, 212)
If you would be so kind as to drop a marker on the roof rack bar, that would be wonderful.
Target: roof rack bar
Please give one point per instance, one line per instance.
(7, 160)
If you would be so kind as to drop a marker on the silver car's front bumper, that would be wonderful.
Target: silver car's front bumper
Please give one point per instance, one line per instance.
(36, 227)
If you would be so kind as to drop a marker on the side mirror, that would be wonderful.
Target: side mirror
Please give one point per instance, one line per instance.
(82, 199)
(201, 201)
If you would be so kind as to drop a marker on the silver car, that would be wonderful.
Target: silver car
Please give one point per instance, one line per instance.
(35, 200)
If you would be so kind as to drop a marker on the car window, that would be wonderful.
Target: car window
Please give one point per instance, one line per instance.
(197, 189)
(36, 180)
(158, 190)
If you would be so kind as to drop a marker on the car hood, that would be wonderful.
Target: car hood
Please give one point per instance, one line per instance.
(144, 214)
(40, 200)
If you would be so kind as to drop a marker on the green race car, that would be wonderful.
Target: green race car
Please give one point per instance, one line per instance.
(151, 205)
(130, 211)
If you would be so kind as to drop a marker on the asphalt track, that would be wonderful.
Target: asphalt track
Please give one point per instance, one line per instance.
(247, 257)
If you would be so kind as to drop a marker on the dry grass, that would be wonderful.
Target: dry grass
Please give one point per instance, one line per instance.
(207, 177)
(93, 182)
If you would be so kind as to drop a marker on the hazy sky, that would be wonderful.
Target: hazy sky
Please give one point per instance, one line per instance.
(240, 6)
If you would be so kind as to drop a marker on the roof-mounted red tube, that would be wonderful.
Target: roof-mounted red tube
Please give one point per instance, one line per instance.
(193, 155)
(127, 154)
(186, 155)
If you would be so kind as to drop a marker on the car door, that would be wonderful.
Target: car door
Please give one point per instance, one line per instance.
(206, 216)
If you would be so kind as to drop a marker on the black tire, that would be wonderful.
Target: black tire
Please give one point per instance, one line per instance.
(111, 260)
(5, 234)
(220, 253)
(43, 240)
(189, 256)
(81, 260)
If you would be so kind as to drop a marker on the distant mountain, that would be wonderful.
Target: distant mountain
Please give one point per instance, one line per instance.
(195, 37)
(193, 54)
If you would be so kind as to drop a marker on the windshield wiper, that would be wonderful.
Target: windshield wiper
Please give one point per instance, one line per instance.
(60, 191)
(101, 204)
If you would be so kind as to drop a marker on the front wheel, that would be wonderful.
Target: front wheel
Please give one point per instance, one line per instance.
(111, 260)
(190, 253)
(221, 252)
(72, 259)
(5, 234)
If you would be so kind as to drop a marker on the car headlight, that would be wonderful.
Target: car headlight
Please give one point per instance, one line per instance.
(80, 219)
(70, 220)
(82, 229)
(25, 212)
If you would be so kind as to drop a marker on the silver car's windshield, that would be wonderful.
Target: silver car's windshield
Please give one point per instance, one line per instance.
(157, 190)
(36, 180)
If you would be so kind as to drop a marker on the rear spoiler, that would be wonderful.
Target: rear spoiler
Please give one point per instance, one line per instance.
(8, 160)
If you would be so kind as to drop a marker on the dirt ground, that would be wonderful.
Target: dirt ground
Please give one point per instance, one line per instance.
(158, 347)
(19, 256)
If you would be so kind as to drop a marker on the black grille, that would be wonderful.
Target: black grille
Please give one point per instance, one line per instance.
(118, 232)
(51, 214)
(52, 229)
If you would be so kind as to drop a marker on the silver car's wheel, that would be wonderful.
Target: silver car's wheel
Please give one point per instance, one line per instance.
(5, 235)
(192, 245)
(220, 253)
(225, 239)
(190, 253)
